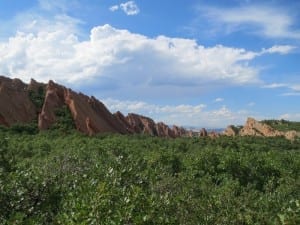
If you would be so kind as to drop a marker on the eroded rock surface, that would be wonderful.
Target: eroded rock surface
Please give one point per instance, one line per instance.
(253, 127)
(15, 104)
(89, 114)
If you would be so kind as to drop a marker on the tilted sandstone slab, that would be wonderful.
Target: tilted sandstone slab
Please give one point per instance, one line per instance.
(15, 104)
(90, 115)
(142, 124)
(256, 128)
(230, 131)
(164, 130)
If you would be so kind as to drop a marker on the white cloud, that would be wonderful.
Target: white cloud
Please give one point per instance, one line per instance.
(291, 116)
(58, 5)
(130, 8)
(114, 8)
(294, 88)
(281, 49)
(54, 50)
(115, 58)
(183, 115)
(275, 85)
(219, 100)
(261, 20)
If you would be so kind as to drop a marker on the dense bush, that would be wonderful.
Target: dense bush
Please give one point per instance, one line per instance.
(58, 178)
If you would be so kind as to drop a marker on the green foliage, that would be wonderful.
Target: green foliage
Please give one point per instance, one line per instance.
(57, 178)
(283, 125)
(64, 120)
(37, 97)
(26, 128)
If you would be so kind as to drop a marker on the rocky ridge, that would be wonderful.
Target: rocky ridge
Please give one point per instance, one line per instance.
(36, 102)
(19, 103)
(253, 127)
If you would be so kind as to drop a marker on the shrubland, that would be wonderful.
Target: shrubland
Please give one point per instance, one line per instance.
(59, 177)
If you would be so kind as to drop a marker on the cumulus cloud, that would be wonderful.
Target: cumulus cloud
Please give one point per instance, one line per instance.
(184, 115)
(117, 58)
(271, 22)
(130, 8)
(119, 55)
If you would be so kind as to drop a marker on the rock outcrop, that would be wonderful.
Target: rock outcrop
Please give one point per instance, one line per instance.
(253, 127)
(164, 130)
(256, 128)
(145, 125)
(203, 133)
(90, 115)
(231, 131)
(38, 102)
(180, 131)
(15, 104)
(22, 103)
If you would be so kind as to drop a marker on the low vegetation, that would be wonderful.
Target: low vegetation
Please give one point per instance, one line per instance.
(55, 177)
(283, 125)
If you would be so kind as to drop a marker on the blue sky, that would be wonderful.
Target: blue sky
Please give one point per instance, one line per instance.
(192, 63)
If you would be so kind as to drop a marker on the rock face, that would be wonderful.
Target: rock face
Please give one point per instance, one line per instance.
(256, 128)
(15, 104)
(26, 103)
(164, 130)
(179, 131)
(90, 115)
(230, 131)
(203, 133)
(291, 135)
(141, 124)
(22, 103)
(145, 125)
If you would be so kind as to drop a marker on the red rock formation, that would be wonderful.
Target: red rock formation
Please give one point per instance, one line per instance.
(291, 135)
(54, 99)
(256, 128)
(36, 86)
(15, 104)
(179, 131)
(213, 134)
(141, 124)
(203, 132)
(21, 103)
(164, 130)
(230, 131)
(90, 115)
(122, 120)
